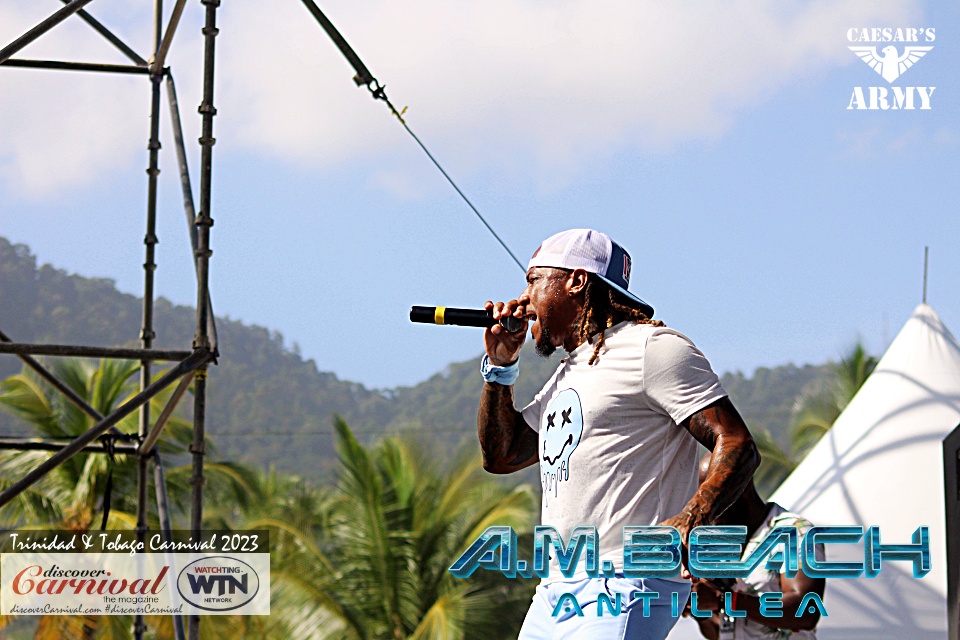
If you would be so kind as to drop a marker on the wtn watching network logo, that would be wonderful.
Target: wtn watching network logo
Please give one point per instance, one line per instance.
(891, 64)
(218, 583)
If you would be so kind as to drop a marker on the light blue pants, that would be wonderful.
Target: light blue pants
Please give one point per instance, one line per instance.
(553, 615)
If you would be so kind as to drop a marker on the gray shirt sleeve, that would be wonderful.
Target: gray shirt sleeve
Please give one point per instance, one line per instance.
(677, 379)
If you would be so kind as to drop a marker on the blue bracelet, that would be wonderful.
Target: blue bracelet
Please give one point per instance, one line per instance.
(501, 375)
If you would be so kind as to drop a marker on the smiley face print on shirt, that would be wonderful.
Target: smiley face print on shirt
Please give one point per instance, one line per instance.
(561, 427)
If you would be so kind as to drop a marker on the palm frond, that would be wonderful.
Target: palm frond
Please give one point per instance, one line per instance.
(775, 463)
(444, 620)
(23, 397)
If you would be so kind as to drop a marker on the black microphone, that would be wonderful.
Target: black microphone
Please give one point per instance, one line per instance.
(463, 317)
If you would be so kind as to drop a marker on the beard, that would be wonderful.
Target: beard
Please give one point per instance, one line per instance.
(544, 345)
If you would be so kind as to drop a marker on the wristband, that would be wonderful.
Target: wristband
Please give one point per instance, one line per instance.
(501, 375)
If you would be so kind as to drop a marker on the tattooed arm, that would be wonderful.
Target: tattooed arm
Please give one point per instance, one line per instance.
(506, 441)
(719, 428)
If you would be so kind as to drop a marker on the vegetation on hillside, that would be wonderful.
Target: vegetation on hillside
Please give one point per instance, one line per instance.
(815, 409)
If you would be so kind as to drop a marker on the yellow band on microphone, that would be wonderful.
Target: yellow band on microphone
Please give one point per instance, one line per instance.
(438, 315)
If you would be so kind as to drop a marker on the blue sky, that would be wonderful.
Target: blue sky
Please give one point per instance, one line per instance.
(712, 139)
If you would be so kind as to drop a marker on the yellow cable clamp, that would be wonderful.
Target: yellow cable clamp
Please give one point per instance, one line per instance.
(438, 315)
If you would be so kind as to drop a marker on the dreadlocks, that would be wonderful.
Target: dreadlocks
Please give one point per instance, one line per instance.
(603, 307)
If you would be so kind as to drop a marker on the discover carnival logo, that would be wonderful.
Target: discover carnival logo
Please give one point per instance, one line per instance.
(96, 583)
(891, 52)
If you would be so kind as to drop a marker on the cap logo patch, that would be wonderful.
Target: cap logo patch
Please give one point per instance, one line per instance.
(626, 268)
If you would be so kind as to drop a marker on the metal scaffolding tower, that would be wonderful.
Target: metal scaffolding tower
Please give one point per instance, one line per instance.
(190, 365)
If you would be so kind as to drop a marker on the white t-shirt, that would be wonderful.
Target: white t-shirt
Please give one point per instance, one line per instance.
(611, 451)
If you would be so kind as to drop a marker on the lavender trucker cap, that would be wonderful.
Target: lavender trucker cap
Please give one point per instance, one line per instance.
(593, 252)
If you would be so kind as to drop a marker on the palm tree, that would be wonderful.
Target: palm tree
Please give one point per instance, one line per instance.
(69, 497)
(814, 412)
(371, 561)
(817, 410)
(775, 463)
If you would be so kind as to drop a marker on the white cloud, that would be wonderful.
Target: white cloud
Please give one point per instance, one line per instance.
(544, 86)
(59, 129)
(69, 132)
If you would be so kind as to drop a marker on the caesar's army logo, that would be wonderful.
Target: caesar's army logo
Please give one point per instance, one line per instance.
(891, 52)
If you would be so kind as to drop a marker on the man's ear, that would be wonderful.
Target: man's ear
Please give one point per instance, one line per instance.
(577, 282)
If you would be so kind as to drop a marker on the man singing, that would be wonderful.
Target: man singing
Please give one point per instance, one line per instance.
(615, 430)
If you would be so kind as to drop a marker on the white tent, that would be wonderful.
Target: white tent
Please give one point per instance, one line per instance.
(882, 464)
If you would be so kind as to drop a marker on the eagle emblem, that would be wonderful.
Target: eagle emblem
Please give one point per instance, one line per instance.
(890, 65)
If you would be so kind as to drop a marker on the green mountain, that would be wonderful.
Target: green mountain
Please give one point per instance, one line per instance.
(270, 406)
